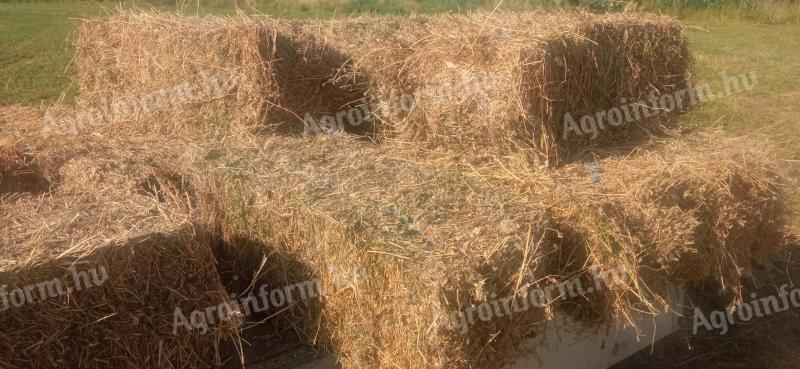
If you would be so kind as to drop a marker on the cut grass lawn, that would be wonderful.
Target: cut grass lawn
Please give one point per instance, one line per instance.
(35, 51)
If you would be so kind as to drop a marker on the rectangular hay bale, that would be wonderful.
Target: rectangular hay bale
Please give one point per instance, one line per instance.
(479, 85)
(489, 84)
(79, 293)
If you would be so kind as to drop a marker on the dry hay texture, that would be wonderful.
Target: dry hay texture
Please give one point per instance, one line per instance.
(424, 234)
(489, 85)
(422, 240)
(482, 85)
(429, 238)
(267, 70)
(102, 207)
(689, 212)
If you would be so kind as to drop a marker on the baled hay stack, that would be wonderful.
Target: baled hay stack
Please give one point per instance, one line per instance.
(417, 241)
(220, 71)
(128, 268)
(682, 213)
(116, 226)
(480, 84)
(397, 246)
(492, 84)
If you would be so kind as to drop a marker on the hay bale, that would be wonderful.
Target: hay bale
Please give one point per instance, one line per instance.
(103, 280)
(489, 84)
(116, 228)
(494, 84)
(422, 240)
(699, 211)
(241, 70)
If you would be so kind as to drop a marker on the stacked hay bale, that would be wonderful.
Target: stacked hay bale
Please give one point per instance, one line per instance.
(487, 85)
(93, 267)
(395, 246)
(240, 71)
(90, 284)
(701, 211)
(482, 85)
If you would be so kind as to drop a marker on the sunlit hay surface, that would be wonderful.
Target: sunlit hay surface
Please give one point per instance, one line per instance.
(23, 168)
(268, 74)
(132, 55)
(486, 85)
(110, 209)
(675, 214)
(418, 241)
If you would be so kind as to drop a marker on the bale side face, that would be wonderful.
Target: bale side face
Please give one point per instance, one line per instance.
(126, 320)
(489, 85)
(245, 72)
(134, 64)
(608, 63)
(424, 242)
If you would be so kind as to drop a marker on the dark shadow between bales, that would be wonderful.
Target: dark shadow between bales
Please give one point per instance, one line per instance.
(312, 96)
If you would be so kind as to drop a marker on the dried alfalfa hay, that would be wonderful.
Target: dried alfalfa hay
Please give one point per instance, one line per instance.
(486, 85)
(397, 246)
